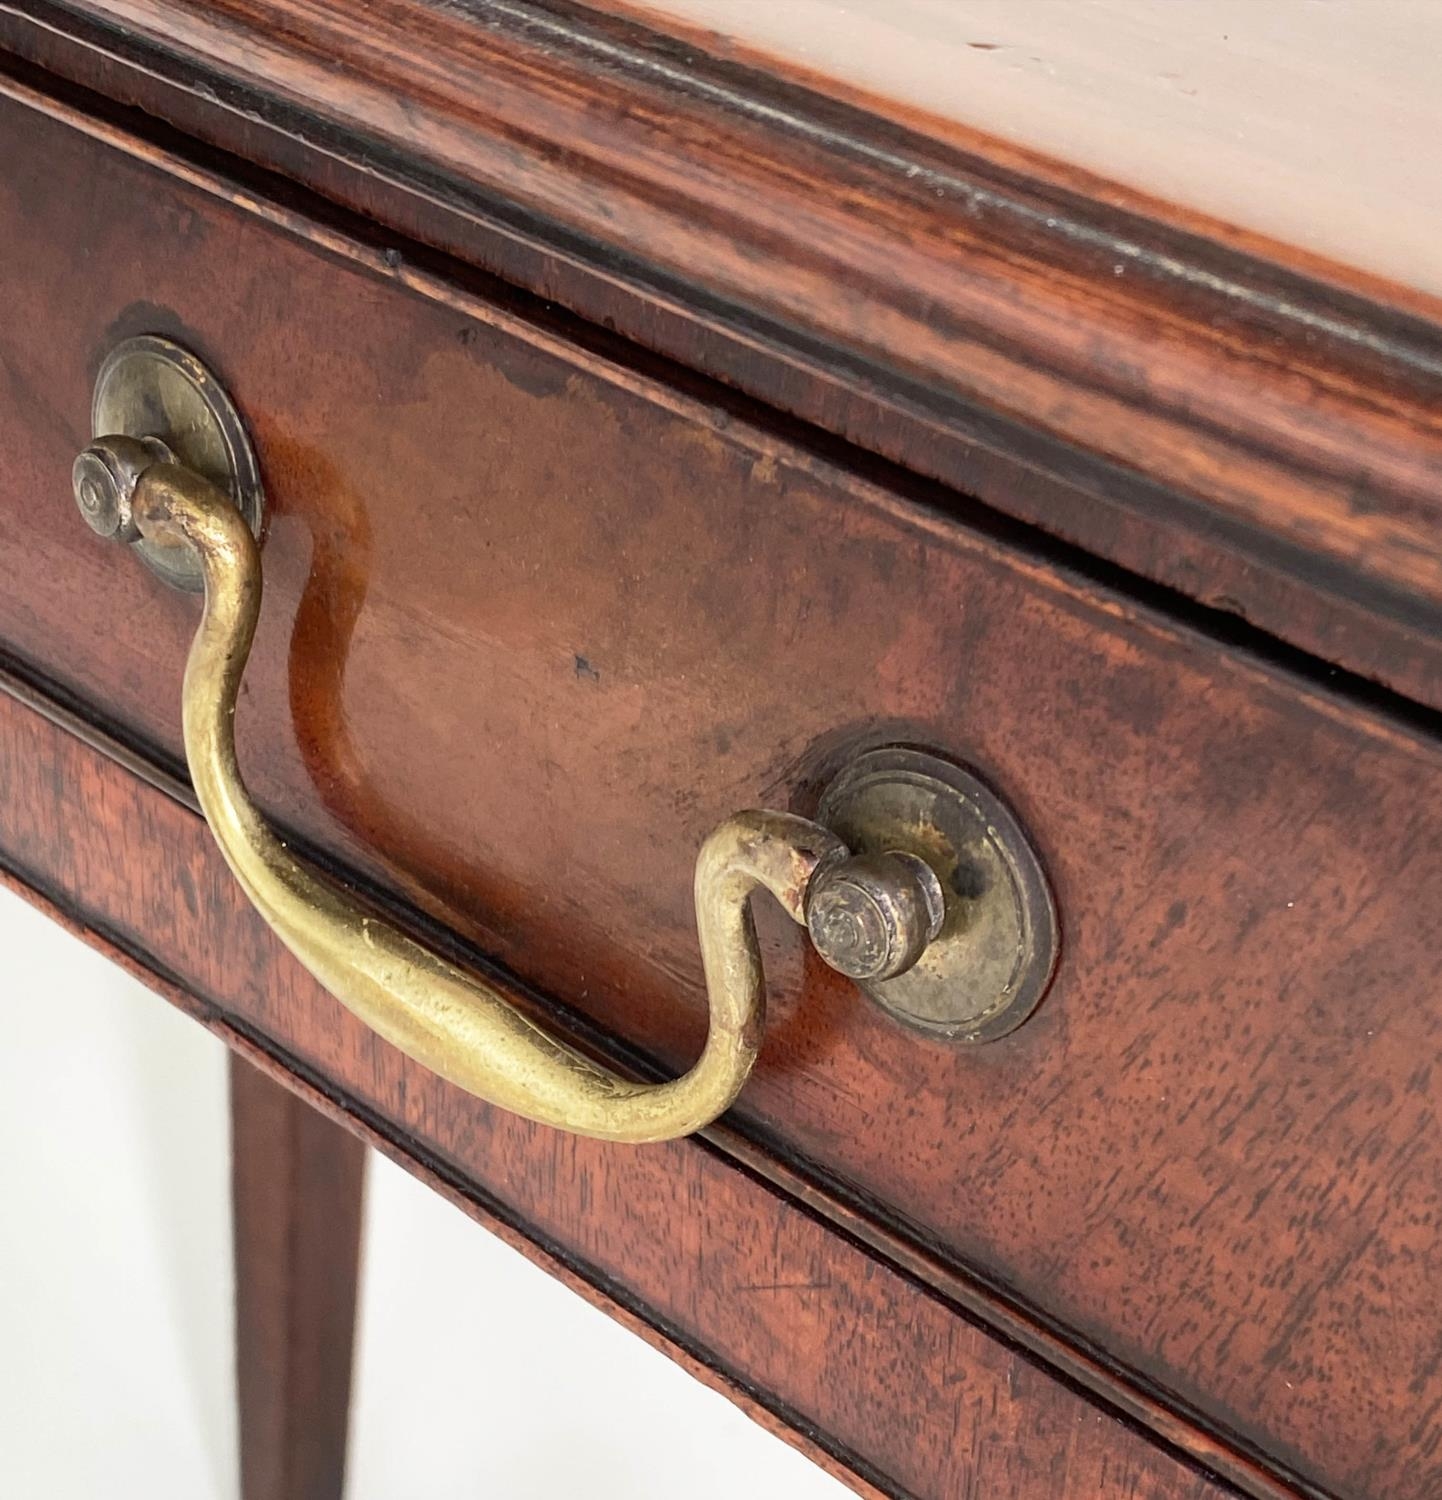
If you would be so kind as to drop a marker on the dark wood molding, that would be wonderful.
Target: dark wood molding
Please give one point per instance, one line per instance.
(105, 745)
(1370, 632)
(1251, 428)
(599, 1217)
(115, 640)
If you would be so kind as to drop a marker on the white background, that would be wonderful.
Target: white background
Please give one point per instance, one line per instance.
(477, 1375)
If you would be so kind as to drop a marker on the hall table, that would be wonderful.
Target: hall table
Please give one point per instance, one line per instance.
(843, 737)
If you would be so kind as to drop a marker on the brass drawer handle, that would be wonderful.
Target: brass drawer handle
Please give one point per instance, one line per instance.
(872, 915)
(454, 1023)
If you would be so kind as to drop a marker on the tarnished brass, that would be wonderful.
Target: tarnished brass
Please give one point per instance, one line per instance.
(988, 960)
(454, 1023)
(148, 388)
(872, 915)
(876, 903)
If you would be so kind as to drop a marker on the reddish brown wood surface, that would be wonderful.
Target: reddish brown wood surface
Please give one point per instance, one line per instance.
(868, 1370)
(296, 1184)
(1197, 104)
(535, 623)
(1235, 420)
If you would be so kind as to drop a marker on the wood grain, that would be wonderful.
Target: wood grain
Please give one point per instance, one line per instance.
(296, 1188)
(1230, 108)
(506, 577)
(1233, 419)
(536, 622)
(859, 1365)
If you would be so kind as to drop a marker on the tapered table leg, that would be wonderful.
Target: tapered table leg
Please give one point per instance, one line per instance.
(296, 1183)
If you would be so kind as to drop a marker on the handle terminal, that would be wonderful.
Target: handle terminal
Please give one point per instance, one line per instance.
(871, 916)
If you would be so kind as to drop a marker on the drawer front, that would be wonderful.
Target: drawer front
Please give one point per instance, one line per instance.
(535, 622)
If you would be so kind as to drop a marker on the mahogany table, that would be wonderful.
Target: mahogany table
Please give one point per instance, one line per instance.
(844, 733)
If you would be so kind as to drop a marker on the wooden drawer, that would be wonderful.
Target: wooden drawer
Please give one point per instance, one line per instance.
(727, 1275)
(537, 619)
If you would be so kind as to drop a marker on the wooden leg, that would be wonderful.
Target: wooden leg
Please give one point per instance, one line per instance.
(296, 1183)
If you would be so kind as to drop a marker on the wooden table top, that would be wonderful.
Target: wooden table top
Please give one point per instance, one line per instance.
(1313, 123)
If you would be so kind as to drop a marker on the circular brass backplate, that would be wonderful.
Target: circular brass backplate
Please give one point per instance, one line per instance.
(991, 962)
(151, 387)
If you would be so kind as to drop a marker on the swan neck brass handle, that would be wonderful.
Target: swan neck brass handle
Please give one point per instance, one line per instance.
(871, 916)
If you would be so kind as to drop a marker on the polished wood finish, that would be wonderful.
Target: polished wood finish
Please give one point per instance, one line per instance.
(536, 620)
(1196, 104)
(1250, 427)
(296, 1188)
(797, 1322)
